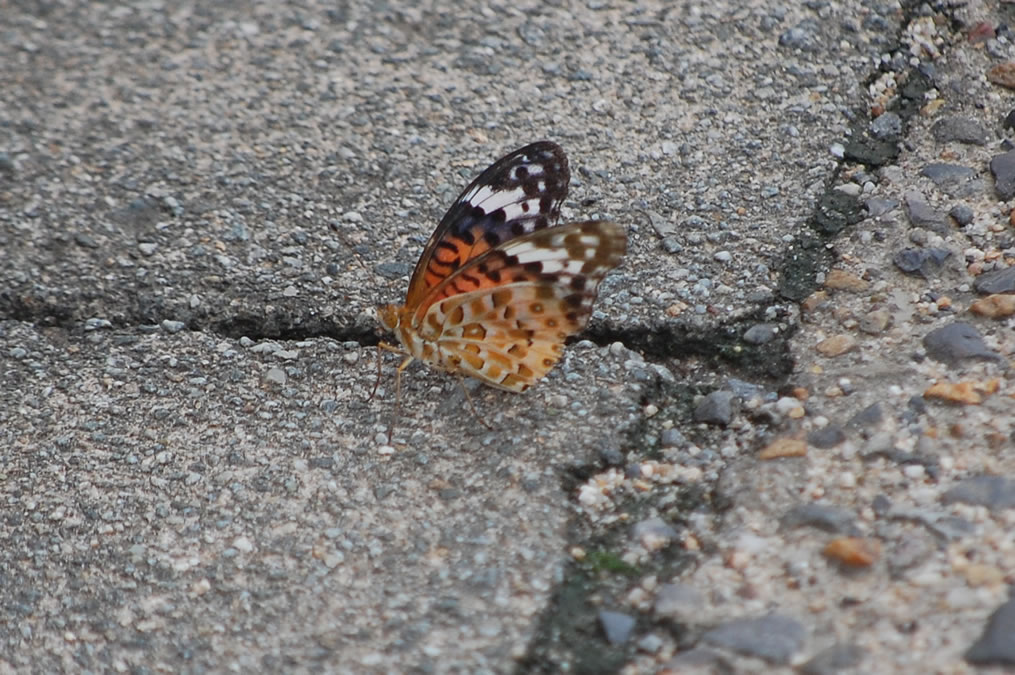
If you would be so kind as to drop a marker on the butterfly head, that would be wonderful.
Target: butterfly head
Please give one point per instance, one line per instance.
(390, 316)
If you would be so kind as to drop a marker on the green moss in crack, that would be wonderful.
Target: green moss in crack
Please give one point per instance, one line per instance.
(605, 561)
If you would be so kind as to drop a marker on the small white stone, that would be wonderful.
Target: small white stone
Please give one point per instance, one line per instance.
(914, 471)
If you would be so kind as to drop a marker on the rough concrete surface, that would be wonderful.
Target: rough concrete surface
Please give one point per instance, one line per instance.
(785, 442)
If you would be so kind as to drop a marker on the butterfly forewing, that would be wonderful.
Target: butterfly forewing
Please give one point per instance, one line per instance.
(576, 255)
(520, 193)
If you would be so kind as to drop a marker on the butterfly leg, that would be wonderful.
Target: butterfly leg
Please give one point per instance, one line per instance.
(398, 395)
(382, 347)
(472, 405)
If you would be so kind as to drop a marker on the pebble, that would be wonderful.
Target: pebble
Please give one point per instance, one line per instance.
(696, 661)
(921, 261)
(957, 342)
(1002, 167)
(784, 447)
(392, 270)
(275, 376)
(875, 322)
(997, 306)
(959, 129)
(1003, 75)
(654, 533)
(671, 245)
(853, 551)
(954, 392)
(878, 206)
(802, 36)
(761, 333)
(826, 517)
(994, 492)
(617, 626)
(961, 214)
(680, 602)
(997, 643)
(836, 659)
(996, 281)
(922, 214)
(842, 280)
(953, 179)
(826, 437)
(651, 643)
(789, 406)
(171, 326)
(774, 638)
(97, 324)
(715, 408)
(887, 126)
(672, 438)
(870, 416)
(836, 345)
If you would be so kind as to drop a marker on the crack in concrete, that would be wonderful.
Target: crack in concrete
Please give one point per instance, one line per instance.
(568, 629)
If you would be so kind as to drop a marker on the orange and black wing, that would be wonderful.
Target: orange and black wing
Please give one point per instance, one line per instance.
(520, 193)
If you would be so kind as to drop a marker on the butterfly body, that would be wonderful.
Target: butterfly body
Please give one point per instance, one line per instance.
(499, 288)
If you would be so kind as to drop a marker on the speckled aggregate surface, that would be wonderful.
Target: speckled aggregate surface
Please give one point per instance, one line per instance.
(772, 451)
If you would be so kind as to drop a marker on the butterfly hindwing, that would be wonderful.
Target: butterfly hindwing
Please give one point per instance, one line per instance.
(520, 193)
(510, 333)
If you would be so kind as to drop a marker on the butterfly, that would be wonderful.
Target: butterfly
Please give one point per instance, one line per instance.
(500, 285)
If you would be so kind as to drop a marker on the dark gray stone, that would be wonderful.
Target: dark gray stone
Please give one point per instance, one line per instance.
(716, 408)
(773, 638)
(953, 179)
(881, 504)
(956, 342)
(1003, 169)
(393, 270)
(617, 626)
(922, 214)
(996, 281)
(672, 438)
(803, 36)
(140, 213)
(996, 645)
(878, 206)
(921, 261)
(834, 660)
(961, 214)
(826, 437)
(834, 519)
(671, 245)
(760, 333)
(960, 130)
(887, 126)
(744, 390)
(994, 492)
